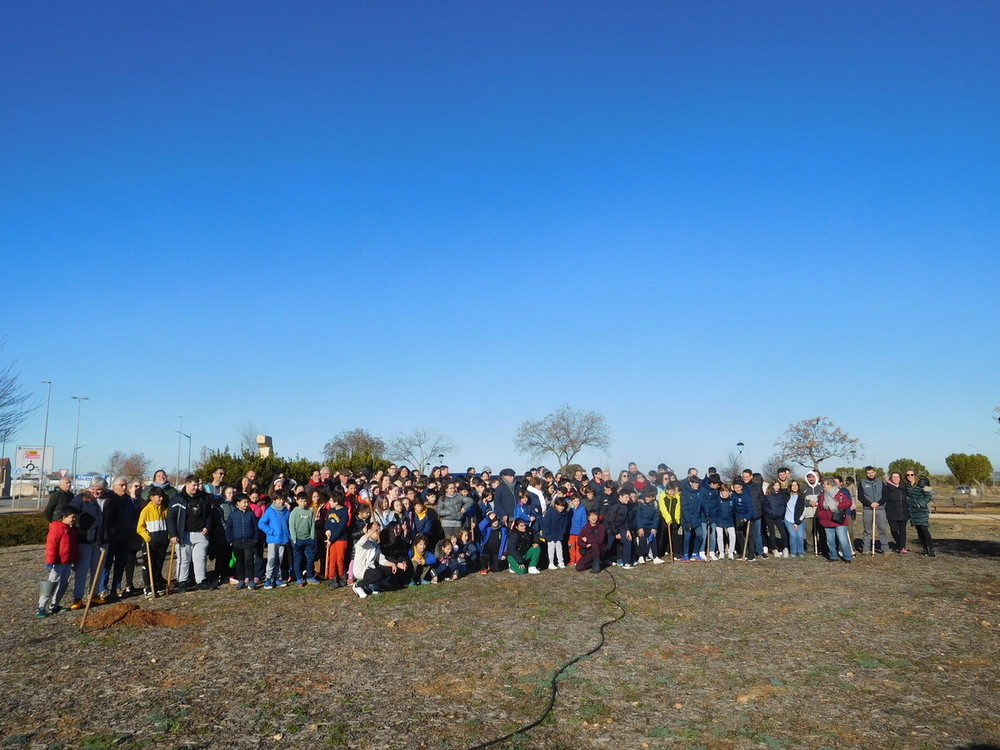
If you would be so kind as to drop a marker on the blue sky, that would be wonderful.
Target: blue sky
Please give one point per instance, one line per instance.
(703, 220)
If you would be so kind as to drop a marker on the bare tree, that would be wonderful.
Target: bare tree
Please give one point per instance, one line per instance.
(416, 448)
(769, 469)
(563, 433)
(131, 466)
(248, 433)
(812, 441)
(730, 469)
(16, 405)
(350, 443)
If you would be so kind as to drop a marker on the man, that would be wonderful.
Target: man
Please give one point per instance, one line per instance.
(160, 480)
(189, 522)
(125, 542)
(870, 491)
(784, 477)
(505, 497)
(58, 500)
(811, 492)
(757, 498)
(597, 480)
(218, 480)
(97, 520)
(579, 477)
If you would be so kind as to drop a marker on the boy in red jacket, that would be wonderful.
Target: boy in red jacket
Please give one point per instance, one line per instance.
(60, 554)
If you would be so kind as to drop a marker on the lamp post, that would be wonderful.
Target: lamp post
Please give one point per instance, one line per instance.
(45, 442)
(183, 434)
(180, 428)
(76, 444)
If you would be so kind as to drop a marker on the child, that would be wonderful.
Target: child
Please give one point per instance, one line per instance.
(669, 501)
(258, 505)
(579, 520)
(241, 535)
(522, 549)
(274, 526)
(468, 552)
(60, 553)
(494, 544)
(152, 527)
(593, 540)
(693, 518)
(647, 518)
(554, 528)
(724, 524)
(421, 560)
(338, 534)
(447, 562)
(525, 511)
(302, 530)
(359, 522)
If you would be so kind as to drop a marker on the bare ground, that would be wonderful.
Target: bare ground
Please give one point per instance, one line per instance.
(891, 652)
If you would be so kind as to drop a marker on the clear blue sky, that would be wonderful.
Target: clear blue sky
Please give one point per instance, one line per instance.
(704, 220)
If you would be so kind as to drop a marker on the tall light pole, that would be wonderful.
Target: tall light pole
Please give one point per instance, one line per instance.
(183, 434)
(45, 442)
(180, 428)
(76, 445)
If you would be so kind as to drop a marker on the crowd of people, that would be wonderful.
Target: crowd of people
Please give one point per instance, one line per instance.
(399, 528)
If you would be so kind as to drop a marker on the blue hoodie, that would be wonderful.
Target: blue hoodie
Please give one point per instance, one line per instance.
(274, 525)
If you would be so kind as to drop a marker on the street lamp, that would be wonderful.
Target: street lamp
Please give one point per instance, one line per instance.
(76, 445)
(180, 428)
(740, 447)
(184, 434)
(45, 442)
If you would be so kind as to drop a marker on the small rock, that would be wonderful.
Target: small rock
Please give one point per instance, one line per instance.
(391, 624)
(678, 706)
(277, 736)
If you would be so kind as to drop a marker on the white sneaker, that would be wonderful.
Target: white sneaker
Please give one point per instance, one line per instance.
(360, 591)
(561, 565)
(731, 555)
(785, 554)
(511, 570)
(534, 571)
(640, 561)
(712, 556)
(628, 566)
(657, 561)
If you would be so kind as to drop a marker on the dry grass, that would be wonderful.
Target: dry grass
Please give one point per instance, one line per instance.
(895, 652)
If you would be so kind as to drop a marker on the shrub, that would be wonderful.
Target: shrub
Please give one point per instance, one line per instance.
(22, 528)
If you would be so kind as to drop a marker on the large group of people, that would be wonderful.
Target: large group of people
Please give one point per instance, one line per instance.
(396, 528)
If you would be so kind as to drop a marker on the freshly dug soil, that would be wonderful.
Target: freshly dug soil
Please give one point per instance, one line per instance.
(126, 614)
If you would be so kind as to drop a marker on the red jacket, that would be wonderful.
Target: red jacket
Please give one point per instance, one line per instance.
(60, 544)
(823, 515)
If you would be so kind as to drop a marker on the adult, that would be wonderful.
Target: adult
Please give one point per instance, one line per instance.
(831, 513)
(812, 490)
(784, 477)
(97, 523)
(505, 497)
(897, 510)
(794, 524)
(918, 497)
(61, 497)
(214, 488)
(870, 491)
(126, 542)
(161, 480)
(189, 523)
(775, 505)
(755, 488)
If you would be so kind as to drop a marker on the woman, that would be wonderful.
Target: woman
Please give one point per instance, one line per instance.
(897, 511)
(918, 496)
(831, 512)
(795, 507)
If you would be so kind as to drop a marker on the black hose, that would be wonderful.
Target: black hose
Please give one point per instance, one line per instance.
(553, 687)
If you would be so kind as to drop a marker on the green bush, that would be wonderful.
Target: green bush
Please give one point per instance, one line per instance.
(22, 528)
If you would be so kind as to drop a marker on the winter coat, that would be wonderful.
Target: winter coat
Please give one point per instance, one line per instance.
(918, 503)
(774, 505)
(505, 500)
(825, 515)
(579, 519)
(241, 526)
(60, 544)
(896, 502)
(592, 537)
(870, 491)
(722, 516)
(486, 529)
(692, 507)
(96, 526)
(518, 544)
(177, 515)
(555, 524)
(647, 516)
(58, 500)
(274, 525)
(743, 505)
(670, 507)
(616, 520)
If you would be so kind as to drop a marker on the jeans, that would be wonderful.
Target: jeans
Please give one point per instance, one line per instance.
(624, 550)
(695, 539)
(85, 569)
(838, 535)
(304, 551)
(59, 575)
(796, 538)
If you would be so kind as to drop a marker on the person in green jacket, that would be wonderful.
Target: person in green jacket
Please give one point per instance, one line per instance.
(302, 529)
(918, 499)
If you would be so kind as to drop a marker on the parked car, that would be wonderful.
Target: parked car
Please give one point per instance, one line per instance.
(963, 490)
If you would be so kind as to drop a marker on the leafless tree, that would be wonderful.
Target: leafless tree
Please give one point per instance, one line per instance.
(131, 466)
(812, 441)
(730, 469)
(16, 405)
(563, 433)
(248, 432)
(418, 447)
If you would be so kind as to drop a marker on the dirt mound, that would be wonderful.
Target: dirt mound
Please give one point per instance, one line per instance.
(127, 614)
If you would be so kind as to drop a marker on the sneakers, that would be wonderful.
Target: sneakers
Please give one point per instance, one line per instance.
(485, 571)
(687, 558)
(55, 609)
(251, 586)
(784, 554)
(234, 581)
(148, 593)
(657, 561)
(281, 584)
(313, 580)
(360, 591)
(640, 561)
(300, 584)
(77, 604)
(628, 566)
(511, 570)
(533, 570)
(268, 586)
(561, 565)
(96, 600)
(731, 556)
(40, 613)
(240, 585)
